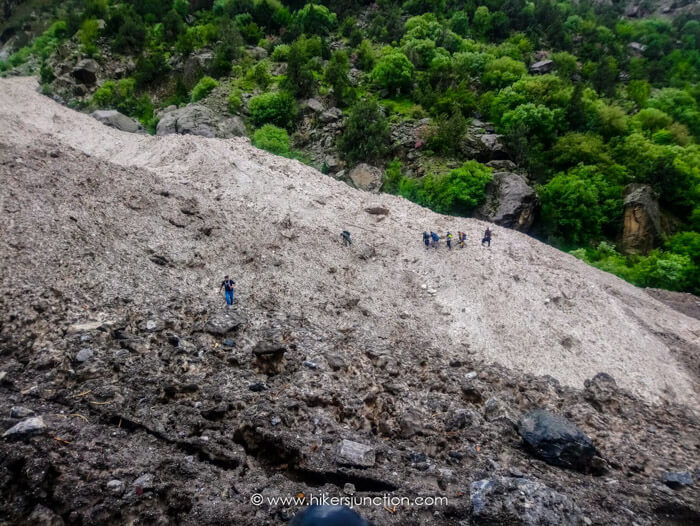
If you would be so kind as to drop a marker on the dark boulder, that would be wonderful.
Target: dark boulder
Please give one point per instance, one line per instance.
(506, 500)
(85, 72)
(557, 441)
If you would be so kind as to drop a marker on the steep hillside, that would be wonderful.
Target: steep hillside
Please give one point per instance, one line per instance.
(116, 243)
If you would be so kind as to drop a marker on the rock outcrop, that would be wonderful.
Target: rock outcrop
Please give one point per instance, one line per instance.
(195, 119)
(642, 220)
(118, 120)
(367, 177)
(510, 202)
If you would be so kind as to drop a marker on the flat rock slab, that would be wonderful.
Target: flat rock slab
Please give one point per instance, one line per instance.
(30, 426)
(222, 323)
(356, 454)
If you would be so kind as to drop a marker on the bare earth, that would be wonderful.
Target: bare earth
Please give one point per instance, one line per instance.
(522, 304)
(157, 411)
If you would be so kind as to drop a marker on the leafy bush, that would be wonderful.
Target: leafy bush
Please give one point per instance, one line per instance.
(276, 108)
(366, 136)
(457, 192)
(121, 95)
(280, 53)
(272, 139)
(365, 56)
(203, 88)
(336, 74)
(502, 72)
(578, 204)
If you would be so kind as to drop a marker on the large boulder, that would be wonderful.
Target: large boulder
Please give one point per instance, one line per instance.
(510, 202)
(482, 146)
(505, 500)
(195, 119)
(542, 66)
(85, 72)
(642, 219)
(557, 441)
(118, 120)
(366, 177)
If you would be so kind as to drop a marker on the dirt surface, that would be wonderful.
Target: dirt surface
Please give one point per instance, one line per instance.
(683, 302)
(161, 406)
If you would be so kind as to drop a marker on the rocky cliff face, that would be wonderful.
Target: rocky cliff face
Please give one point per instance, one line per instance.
(130, 394)
(641, 227)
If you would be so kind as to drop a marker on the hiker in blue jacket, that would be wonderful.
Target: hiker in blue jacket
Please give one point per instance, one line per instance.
(426, 238)
(435, 239)
(229, 287)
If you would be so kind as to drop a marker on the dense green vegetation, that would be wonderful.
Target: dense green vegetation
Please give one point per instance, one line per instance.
(620, 105)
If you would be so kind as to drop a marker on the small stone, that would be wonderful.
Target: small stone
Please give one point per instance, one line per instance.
(258, 387)
(349, 489)
(311, 365)
(20, 412)
(115, 486)
(151, 325)
(355, 454)
(276, 421)
(30, 426)
(144, 482)
(84, 355)
(228, 343)
(677, 479)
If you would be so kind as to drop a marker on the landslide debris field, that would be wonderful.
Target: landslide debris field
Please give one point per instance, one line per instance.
(145, 401)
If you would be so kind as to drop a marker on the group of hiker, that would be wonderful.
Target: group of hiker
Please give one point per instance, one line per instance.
(432, 239)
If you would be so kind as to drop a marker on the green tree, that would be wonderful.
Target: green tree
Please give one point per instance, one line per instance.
(366, 137)
(300, 79)
(502, 72)
(336, 74)
(457, 192)
(482, 20)
(393, 71)
(316, 19)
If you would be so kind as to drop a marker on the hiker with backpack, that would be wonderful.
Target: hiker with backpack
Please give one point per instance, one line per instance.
(487, 237)
(229, 287)
(434, 239)
(426, 238)
(462, 239)
(449, 240)
(346, 238)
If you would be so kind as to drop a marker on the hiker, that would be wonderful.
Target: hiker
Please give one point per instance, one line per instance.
(462, 239)
(487, 237)
(449, 240)
(346, 238)
(426, 238)
(435, 239)
(229, 287)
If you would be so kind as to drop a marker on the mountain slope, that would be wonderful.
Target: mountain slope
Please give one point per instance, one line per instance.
(522, 304)
(156, 409)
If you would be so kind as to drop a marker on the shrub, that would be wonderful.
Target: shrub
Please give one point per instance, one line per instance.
(316, 19)
(365, 56)
(276, 108)
(502, 72)
(203, 88)
(234, 101)
(281, 53)
(366, 137)
(273, 139)
(457, 192)
(121, 95)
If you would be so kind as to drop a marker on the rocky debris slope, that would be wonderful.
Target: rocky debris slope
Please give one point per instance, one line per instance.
(350, 371)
